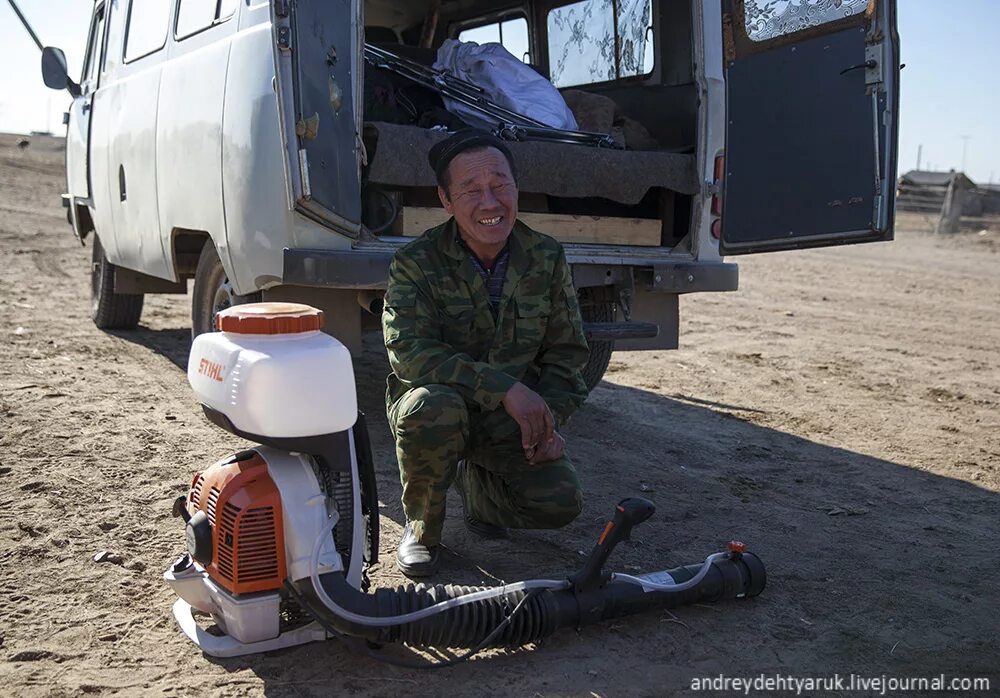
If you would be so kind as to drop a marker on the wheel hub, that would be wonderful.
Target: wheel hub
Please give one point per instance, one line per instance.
(224, 298)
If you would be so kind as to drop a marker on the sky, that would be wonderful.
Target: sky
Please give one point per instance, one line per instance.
(949, 95)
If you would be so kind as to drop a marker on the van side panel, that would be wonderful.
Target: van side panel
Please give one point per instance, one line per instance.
(253, 175)
(132, 171)
(100, 186)
(189, 136)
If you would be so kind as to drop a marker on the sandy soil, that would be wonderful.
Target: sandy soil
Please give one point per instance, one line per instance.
(839, 414)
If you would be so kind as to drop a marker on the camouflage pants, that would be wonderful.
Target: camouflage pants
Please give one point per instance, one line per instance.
(434, 428)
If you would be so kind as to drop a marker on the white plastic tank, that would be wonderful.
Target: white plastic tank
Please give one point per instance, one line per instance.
(273, 373)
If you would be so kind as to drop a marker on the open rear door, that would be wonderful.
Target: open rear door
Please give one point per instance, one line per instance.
(317, 65)
(812, 96)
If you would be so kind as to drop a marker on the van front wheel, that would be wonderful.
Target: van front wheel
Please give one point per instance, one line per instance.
(212, 291)
(110, 310)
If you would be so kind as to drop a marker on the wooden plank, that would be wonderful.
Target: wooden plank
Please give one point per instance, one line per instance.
(602, 230)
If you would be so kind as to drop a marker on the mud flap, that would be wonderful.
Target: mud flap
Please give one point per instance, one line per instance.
(369, 489)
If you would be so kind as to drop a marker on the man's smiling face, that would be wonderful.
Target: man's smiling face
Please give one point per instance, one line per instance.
(482, 196)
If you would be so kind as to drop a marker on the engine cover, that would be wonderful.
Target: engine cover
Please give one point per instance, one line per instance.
(244, 510)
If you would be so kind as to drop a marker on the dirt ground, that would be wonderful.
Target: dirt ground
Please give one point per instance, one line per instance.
(840, 413)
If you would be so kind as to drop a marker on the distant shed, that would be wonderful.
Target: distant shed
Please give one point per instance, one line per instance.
(921, 191)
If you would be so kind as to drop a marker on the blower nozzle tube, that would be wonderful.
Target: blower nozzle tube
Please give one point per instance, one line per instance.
(587, 597)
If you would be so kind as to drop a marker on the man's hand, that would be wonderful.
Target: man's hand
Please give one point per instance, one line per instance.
(532, 414)
(548, 451)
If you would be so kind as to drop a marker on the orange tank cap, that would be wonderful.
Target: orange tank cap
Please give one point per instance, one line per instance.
(269, 318)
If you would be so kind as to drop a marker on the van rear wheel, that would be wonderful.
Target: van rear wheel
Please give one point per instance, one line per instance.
(213, 291)
(597, 304)
(110, 310)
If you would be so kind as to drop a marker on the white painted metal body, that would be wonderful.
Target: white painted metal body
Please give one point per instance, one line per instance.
(128, 105)
(188, 139)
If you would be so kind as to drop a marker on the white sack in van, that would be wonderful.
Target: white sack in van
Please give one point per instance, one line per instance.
(507, 82)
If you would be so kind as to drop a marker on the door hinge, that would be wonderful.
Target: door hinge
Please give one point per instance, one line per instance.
(873, 64)
(284, 39)
(308, 128)
(281, 8)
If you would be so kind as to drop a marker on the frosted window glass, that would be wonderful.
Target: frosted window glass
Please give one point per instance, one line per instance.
(767, 19)
(582, 43)
(193, 16)
(147, 27)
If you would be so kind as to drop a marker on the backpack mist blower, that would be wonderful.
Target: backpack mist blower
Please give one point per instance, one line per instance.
(279, 536)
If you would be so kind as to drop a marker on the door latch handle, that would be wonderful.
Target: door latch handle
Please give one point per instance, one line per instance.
(867, 65)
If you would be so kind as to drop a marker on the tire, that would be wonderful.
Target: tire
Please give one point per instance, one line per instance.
(212, 291)
(597, 305)
(110, 310)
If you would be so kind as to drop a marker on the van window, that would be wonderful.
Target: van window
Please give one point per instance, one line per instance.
(767, 19)
(512, 33)
(582, 38)
(147, 27)
(195, 15)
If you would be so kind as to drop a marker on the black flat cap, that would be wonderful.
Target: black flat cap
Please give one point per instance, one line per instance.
(443, 152)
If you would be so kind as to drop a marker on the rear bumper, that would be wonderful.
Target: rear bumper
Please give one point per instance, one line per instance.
(346, 269)
(369, 269)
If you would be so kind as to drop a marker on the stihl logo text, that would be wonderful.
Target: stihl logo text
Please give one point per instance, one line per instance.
(210, 369)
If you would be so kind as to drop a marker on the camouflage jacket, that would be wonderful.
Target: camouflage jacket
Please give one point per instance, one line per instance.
(439, 327)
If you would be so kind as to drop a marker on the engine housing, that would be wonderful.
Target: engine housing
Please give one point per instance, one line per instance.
(244, 510)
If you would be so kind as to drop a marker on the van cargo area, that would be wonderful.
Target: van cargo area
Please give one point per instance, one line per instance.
(638, 194)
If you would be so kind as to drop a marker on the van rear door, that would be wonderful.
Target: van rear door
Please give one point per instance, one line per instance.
(317, 46)
(812, 91)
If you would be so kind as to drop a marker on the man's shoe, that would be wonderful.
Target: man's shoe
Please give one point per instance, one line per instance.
(413, 558)
(482, 529)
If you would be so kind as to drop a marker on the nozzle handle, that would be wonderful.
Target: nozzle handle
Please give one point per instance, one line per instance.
(629, 513)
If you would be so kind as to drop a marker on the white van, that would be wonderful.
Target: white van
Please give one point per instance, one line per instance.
(247, 144)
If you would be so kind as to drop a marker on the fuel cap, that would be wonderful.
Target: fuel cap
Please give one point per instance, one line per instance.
(269, 318)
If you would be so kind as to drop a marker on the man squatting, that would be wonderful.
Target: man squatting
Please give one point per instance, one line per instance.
(486, 347)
